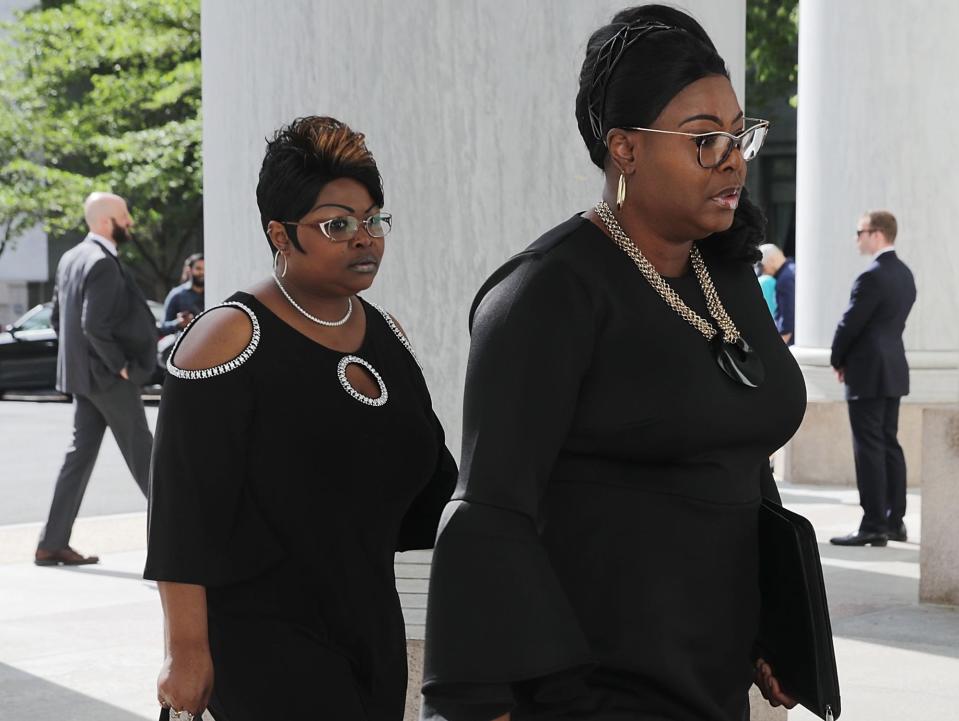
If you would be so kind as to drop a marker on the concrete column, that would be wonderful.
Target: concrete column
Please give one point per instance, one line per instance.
(469, 110)
(874, 90)
(938, 565)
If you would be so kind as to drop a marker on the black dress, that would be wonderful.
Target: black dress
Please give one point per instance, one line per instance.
(599, 558)
(286, 496)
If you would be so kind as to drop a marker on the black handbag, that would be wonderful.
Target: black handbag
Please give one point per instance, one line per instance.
(795, 635)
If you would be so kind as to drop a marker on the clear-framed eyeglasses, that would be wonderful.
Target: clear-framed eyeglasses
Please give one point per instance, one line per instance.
(714, 148)
(345, 227)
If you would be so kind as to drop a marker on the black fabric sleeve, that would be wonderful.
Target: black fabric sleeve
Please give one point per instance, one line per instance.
(863, 301)
(422, 519)
(203, 526)
(499, 624)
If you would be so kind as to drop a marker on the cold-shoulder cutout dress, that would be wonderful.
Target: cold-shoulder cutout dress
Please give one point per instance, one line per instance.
(599, 557)
(285, 492)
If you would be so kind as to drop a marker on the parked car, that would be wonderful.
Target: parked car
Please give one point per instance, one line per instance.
(28, 350)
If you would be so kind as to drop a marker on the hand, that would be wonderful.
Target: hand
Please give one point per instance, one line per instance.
(124, 373)
(186, 680)
(183, 318)
(769, 686)
(840, 374)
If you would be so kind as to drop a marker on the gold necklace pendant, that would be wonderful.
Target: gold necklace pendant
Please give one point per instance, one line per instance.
(733, 354)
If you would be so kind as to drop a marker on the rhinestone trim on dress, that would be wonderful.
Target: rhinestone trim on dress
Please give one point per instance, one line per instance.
(344, 381)
(223, 367)
(396, 330)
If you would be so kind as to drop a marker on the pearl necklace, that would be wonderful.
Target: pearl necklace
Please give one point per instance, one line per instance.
(318, 321)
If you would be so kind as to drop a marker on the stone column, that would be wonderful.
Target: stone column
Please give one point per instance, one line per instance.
(875, 86)
(469, 110)
(938, 566)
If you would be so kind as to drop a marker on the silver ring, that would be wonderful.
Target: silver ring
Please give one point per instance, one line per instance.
(180, 715)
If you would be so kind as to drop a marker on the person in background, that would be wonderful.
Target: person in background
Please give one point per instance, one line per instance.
(107, 349)
(870, 360)
(768, 285)
(185, 301)
(185, 271)
(783, 270)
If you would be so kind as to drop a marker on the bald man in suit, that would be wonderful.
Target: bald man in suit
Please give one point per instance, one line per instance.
(870, 359)
(107, 350)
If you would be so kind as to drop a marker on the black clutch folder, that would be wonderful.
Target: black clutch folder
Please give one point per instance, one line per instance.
(795, 635)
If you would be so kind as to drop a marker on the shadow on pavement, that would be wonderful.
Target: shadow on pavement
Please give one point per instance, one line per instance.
(868, 554)
(800, 498)
(95, 571)
(24, 696)
(924, 628)
(883, 608)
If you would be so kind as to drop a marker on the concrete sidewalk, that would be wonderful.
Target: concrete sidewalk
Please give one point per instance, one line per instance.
(85, 644)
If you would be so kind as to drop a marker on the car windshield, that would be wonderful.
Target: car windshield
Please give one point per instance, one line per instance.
(37, 318)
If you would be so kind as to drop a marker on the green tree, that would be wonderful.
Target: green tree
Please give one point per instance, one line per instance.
(772, 41)
(105, 95)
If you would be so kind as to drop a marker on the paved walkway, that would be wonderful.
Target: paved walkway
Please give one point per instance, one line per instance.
(84, 644)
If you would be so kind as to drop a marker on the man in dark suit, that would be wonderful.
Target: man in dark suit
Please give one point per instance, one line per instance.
(107, 350)
(869, 357)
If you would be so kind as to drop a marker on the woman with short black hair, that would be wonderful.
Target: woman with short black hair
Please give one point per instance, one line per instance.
(625, 388)
(296, 451)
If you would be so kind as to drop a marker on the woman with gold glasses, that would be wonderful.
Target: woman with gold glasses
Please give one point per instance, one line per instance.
(296, 451)
(625, 387)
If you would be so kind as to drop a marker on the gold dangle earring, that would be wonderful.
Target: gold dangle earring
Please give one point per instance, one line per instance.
(621, 192)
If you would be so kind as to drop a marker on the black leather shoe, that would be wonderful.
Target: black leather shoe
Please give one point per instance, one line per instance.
(63, 557)
(899, 534)
(860, 538)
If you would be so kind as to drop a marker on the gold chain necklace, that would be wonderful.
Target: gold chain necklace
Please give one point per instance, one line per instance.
(716, 310)
(733, 354)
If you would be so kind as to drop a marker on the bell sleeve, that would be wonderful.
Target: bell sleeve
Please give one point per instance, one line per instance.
(499, 626)
(203, 527)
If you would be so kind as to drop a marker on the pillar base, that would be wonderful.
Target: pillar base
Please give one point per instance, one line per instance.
(821, 451)
(938, 569)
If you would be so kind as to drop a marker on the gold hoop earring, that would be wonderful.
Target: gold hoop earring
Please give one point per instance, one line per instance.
(286, 264)
(621, 192)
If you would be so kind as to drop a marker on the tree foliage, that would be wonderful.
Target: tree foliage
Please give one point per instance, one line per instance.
(772, 41)
(105, 95)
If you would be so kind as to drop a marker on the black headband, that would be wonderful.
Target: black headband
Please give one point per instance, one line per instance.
(606, 59)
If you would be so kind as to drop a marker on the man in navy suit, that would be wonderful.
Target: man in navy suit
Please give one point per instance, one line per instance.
(870, 359)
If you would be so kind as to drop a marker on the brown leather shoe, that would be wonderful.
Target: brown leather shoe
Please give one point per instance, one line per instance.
(63, 557)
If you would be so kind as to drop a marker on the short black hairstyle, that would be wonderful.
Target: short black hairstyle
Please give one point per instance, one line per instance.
(634, 67)
(192, 260)
(304, 156)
